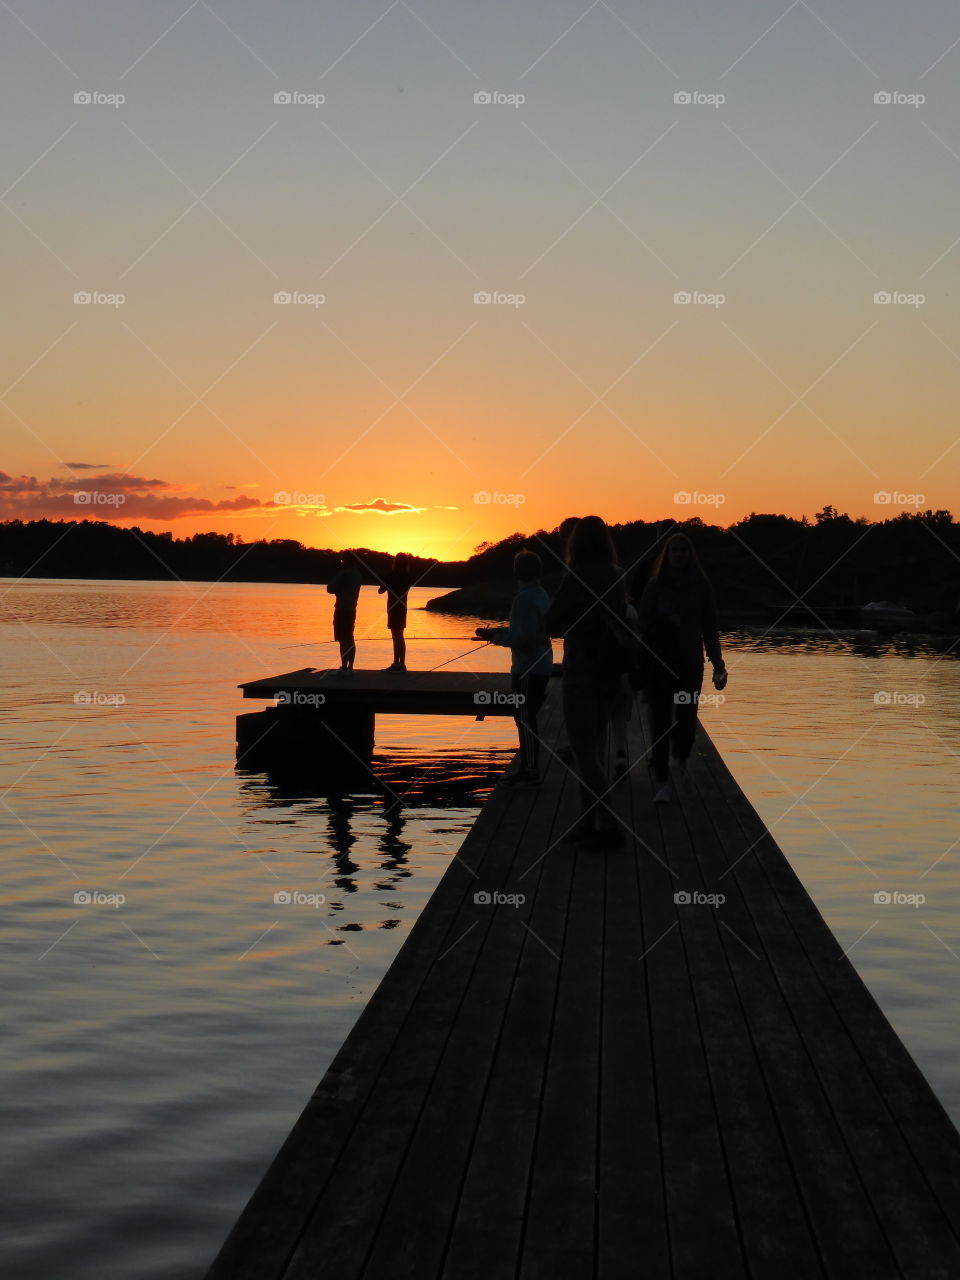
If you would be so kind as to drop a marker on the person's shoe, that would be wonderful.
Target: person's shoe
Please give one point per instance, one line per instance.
(664, 793)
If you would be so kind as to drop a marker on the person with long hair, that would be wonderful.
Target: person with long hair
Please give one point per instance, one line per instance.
(396, 582)
(677, 620)
(589, 607)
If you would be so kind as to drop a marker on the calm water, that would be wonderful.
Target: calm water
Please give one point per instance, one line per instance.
(160, 1048)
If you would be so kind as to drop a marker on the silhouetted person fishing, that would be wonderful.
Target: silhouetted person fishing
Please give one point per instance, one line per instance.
(531, 662)
(345, 587)
(677, 620)
(396, 582)
(589, 612)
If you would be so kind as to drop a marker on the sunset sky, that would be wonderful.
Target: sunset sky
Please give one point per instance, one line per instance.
(377, 407)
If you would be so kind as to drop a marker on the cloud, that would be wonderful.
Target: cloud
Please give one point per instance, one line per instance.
(111, 495)
(87, 466)
(382, 507)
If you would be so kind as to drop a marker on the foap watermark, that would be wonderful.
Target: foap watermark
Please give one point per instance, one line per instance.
(494, 898)
(98, 498)
(696, 898)
(97, 898)
(97, 98)
(297, 898)
(96, 298)
(294, 498)
(897, 298)
(895, 698)
(697, 298)
(298, 698)
(297, 298)
(297, 98)
(897, 98)
(697, 98)
(497, 298)
(495, 98)
(495, 698)
(886, 498)
(494, 498)
(694, 498)
(689, 697)
(897, 899)
(82, 698)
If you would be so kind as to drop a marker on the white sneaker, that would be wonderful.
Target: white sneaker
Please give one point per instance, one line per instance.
(663, 794)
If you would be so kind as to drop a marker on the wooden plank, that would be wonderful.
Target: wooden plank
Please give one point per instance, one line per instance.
(918, 1236)
(632, 1238)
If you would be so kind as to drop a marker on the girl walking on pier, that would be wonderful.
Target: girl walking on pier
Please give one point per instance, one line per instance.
(589, 612)
(678, 620)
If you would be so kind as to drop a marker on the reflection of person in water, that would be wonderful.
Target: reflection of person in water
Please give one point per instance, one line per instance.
(678, 619)
(345, 587)
(396, 582)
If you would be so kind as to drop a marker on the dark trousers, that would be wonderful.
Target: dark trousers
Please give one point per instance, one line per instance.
(587, 716)
(672, 702)
(533, 689)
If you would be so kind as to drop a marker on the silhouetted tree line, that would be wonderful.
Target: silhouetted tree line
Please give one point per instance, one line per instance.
(759, 562)
(97, 549)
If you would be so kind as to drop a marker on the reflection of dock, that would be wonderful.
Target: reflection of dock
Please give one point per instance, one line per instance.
(616, 1076)
(331, 714)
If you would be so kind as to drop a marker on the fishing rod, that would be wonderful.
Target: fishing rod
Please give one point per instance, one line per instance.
(307, 644)
(460, 655)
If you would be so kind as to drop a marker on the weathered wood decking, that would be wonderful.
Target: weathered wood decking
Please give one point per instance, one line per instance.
(606, 1082)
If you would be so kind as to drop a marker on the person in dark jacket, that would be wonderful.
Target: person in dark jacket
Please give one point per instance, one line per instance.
(588, 607)
(677, 619)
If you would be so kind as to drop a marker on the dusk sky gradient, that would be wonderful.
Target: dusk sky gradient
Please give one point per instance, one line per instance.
(202, 402)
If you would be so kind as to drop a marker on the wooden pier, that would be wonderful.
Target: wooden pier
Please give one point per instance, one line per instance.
(609, 1071)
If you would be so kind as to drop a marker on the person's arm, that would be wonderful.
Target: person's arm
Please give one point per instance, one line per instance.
(333, 584)
(381, 589)
(711, 636)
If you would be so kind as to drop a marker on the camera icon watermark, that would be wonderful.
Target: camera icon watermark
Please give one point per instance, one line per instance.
(82, 698)
(297, 898)
(896, 98)
(896, 899)
(497, 298)
(98, 498)
(494, 898)
(895, 698)
(97, 298)
(697, 98)
(297, 298)
(886, 498)
(95, 898)
(494, 98)
(695, 498)
(299, 698)
(494, 698)
(96, 98)
(684, 898)
(494, 498)
(286, 498)
(296, 98)
(898, 298)
(698, 298)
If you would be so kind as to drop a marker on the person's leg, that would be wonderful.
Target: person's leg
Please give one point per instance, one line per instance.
(660, 709)
(536, 692)
(584, 722)
(685, 722)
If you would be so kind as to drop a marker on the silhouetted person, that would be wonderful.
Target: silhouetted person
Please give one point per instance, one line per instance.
(589, 605)
(623, 706)
(564, 532)
(531, 661)
(345, 587)
(396, 582)
(678, 618)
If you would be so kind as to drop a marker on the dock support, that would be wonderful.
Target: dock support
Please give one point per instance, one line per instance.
(293, 736)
